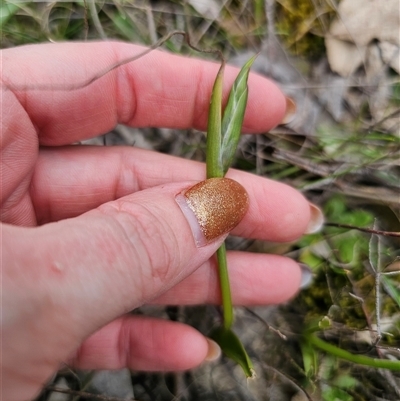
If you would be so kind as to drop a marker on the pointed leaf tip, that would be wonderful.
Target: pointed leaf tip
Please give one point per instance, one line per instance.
(232, 120)
(232, 347)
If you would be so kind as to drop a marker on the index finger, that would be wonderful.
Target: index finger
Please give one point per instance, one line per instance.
(159, 90)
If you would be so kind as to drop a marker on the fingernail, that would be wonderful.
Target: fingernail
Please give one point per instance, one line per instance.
(306, 276)
(214, 351)
(290, 111)
(316, 220)
(213, 208)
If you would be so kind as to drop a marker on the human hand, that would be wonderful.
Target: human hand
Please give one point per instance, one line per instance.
(90, 233)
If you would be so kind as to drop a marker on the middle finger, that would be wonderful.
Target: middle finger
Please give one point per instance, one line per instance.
(72, 180)
(255, 279)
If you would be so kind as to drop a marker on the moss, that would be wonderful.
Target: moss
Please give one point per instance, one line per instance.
(303, 24)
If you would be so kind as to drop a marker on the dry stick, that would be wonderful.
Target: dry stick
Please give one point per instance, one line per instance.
(388, 117)
(116, 65)
(86, 394)
(291, 380)
(365, 230)
(96, 20)
(151, 24)
(85, 19)
(377, 272)
(266, 324)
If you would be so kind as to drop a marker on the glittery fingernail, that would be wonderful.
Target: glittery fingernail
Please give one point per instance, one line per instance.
(213, 208)
(290, 111)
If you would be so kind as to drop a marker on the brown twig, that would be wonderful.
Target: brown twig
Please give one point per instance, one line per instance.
(85, 19)
(86, 394)
(365, 230)
(102, 73)
(267, 325)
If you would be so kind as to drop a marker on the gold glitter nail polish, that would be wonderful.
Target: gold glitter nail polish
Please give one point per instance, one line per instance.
(219, 204)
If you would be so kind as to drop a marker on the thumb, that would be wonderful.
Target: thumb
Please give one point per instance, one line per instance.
(95, 267)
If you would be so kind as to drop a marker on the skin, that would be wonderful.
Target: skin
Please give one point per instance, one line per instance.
(90, 233)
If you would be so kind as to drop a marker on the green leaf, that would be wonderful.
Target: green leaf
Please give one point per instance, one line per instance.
(345, 381)
(391, 288)
(7, 10)
(213, 158)
(310, 360)
(233, 115)
(334, 394)
(233, 349)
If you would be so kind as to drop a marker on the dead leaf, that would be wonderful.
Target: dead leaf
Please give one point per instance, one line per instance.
(358, 24)
(391, 55)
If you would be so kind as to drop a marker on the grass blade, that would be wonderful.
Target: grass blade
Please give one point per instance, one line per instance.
(6, 12)
(391, 288)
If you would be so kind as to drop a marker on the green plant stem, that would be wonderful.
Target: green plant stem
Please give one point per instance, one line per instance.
(215, 170)
(227, 307)
(222, 139)
(348, 356)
